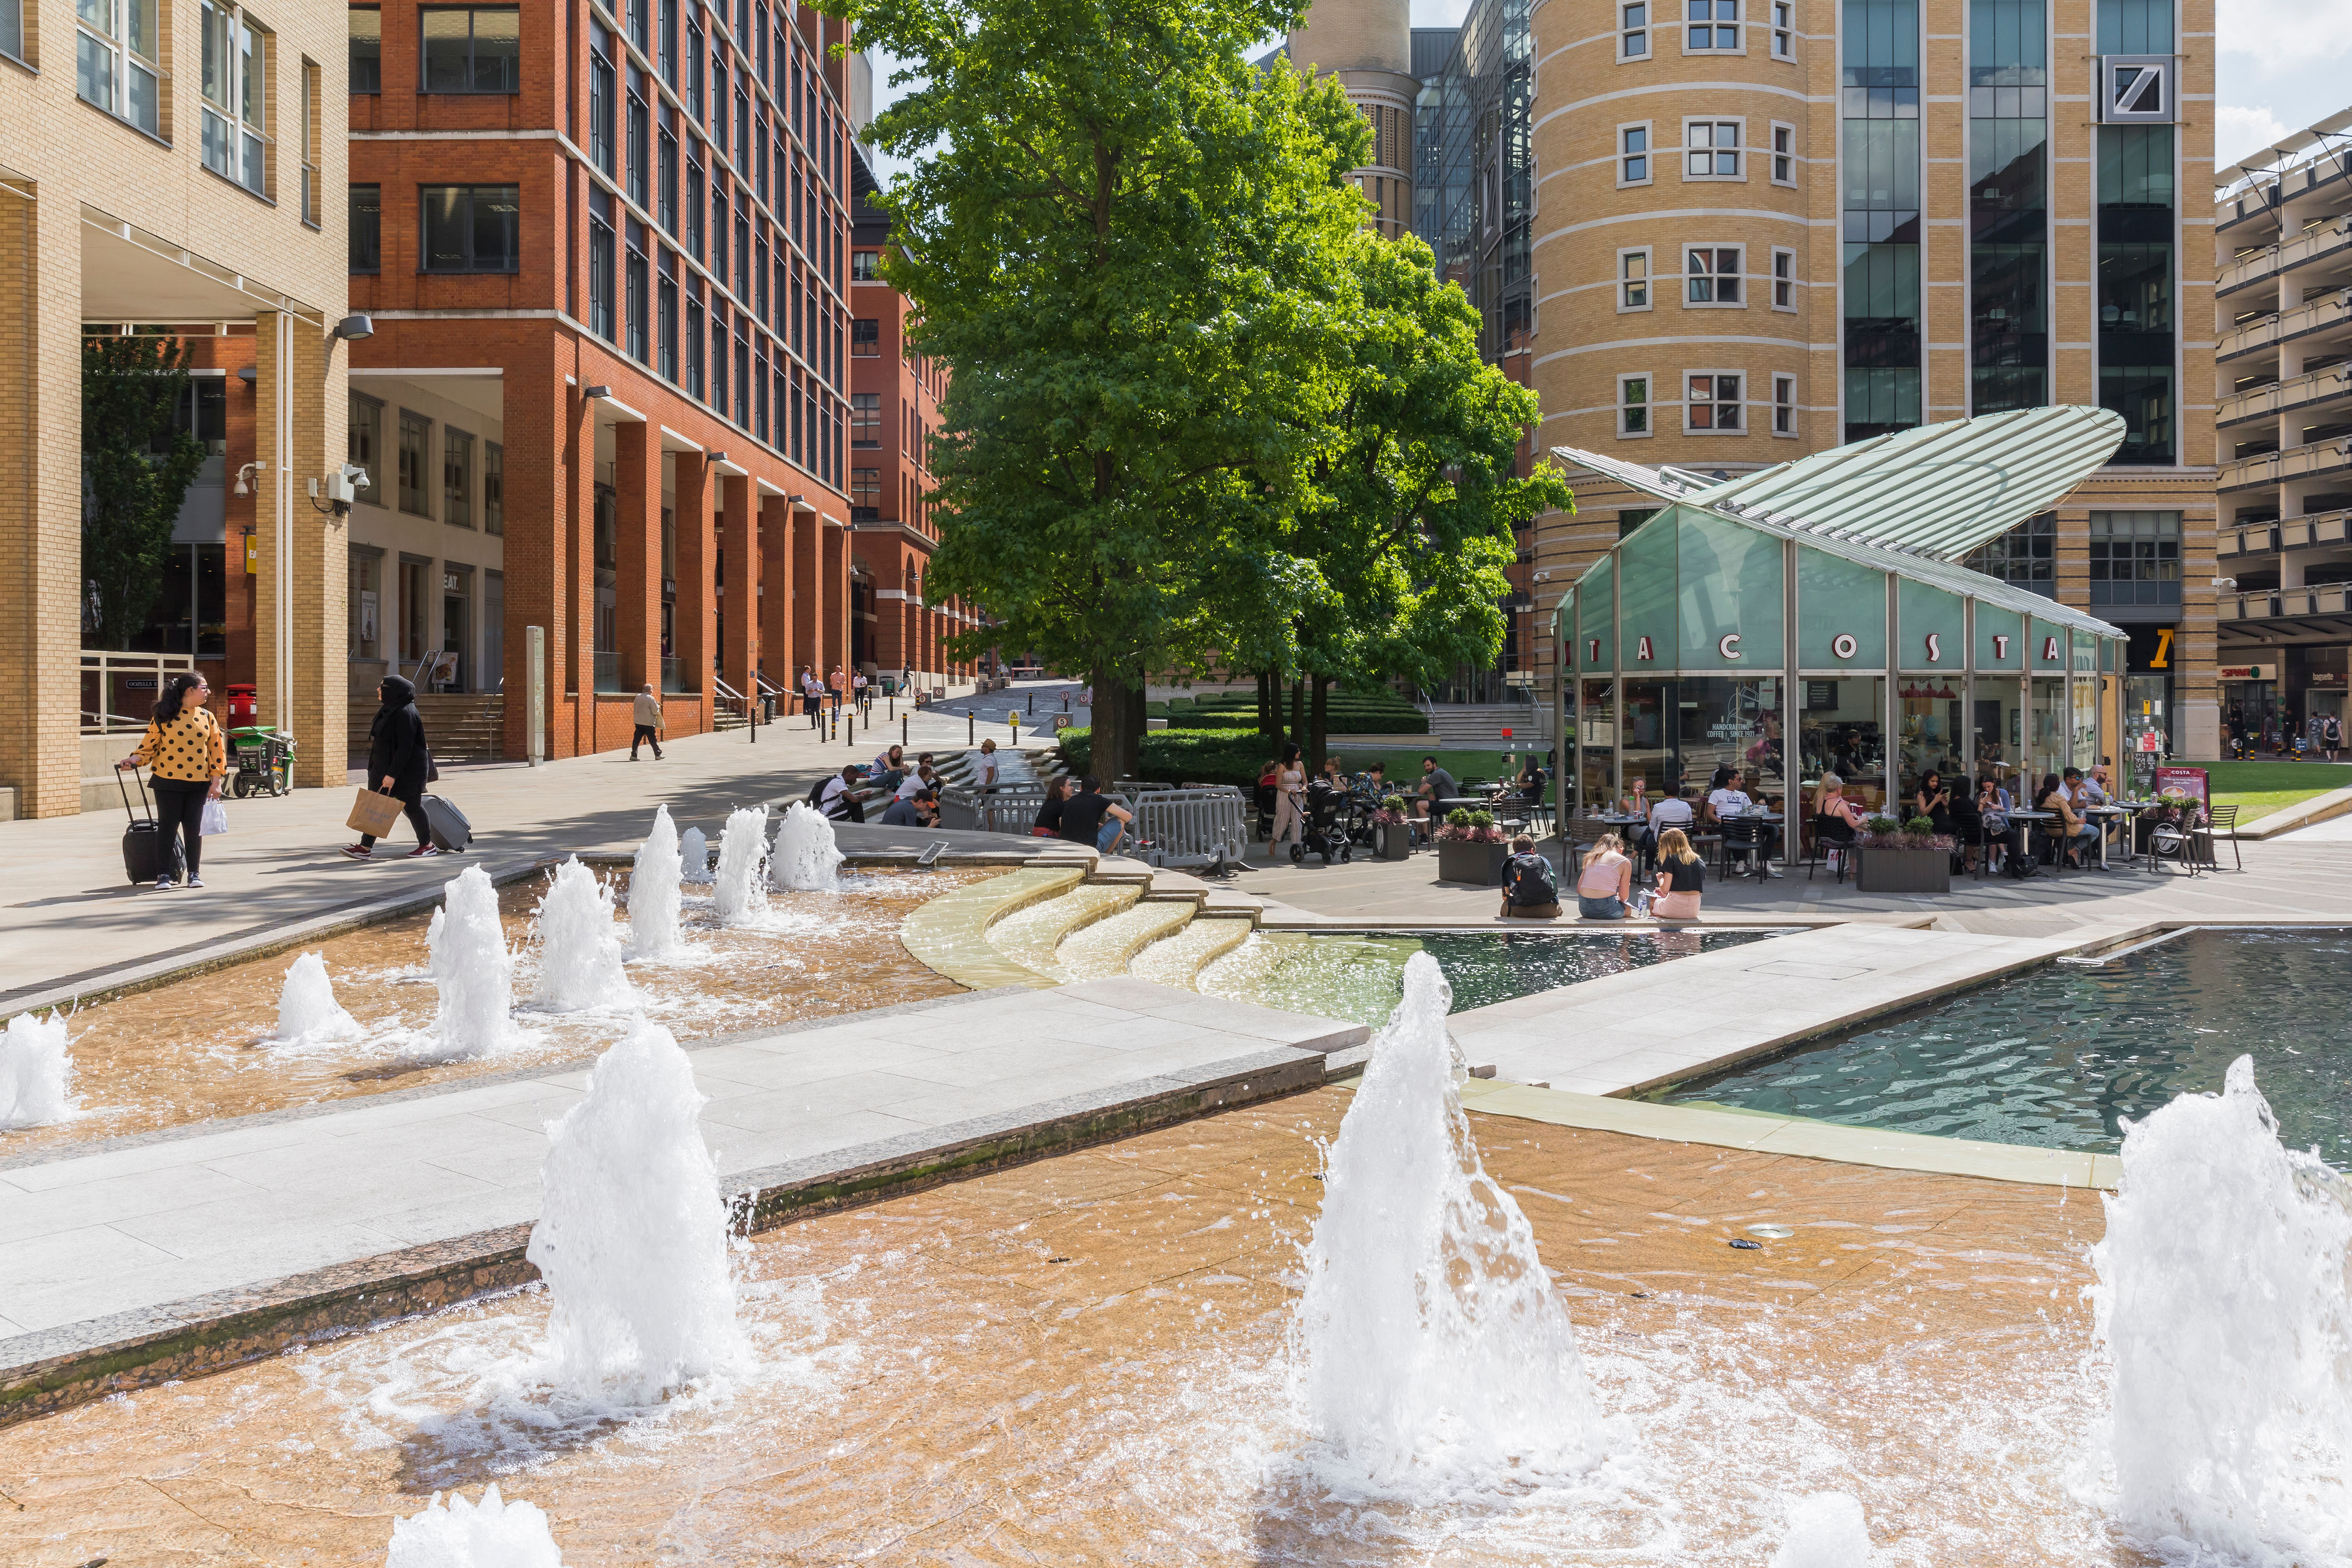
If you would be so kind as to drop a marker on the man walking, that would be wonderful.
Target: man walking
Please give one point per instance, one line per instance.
(649, 719)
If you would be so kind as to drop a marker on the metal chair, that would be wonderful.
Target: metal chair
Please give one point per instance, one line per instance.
(1749, 837)
(2220, 819)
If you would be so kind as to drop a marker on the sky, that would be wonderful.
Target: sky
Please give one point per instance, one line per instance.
(2281, 65)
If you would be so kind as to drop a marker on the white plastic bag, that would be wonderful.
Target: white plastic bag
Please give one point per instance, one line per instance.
(215, 819)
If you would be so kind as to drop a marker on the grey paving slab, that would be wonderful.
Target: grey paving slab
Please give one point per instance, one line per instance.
(113, 1235)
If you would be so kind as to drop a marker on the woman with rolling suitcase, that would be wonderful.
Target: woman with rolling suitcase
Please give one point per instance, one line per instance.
(185, 750)
(397, 763)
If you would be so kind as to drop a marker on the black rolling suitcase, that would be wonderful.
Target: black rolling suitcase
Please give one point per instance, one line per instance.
(145, 856)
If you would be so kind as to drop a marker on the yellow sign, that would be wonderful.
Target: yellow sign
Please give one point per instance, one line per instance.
(252, 552)
(2163, 660)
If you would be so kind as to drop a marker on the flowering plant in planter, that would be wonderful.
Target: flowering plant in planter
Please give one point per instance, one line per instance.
(1463, 826)
(1887, 833)
(1392, 811)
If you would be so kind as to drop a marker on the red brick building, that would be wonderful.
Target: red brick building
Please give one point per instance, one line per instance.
(606, 254)
(894, 408)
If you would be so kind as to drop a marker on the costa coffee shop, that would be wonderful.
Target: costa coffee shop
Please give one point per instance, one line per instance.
(1814, 616)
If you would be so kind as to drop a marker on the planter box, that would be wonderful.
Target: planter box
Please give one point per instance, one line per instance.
(1479, 864)
(1903, 870)
(1391, 841)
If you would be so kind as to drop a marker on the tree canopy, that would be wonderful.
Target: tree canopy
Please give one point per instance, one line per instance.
(137, 465)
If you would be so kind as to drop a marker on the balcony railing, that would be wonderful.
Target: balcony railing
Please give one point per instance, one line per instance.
(2311, 532)
(2330, 599)
(609, 679)
(2316, 243)
(2331, 456)
(673, 678)
(2270, 331)
(2286, 397)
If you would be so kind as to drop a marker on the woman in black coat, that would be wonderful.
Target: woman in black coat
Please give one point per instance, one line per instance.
(398, 762)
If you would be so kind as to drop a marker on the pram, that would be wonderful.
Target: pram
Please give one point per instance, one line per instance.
(1329, 818)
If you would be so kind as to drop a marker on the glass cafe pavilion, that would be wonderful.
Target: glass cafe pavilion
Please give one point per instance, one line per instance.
(1814, 616)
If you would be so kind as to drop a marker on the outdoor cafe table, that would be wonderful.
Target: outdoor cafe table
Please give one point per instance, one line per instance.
(2128, 812)
(2026, 819)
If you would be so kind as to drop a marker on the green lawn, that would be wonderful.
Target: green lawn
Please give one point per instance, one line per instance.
(2258, 789)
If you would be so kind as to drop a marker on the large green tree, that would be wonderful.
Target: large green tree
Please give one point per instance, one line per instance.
(137, 465)
(1127, 242)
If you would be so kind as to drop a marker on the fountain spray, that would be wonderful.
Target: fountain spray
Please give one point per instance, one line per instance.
(459, 1534)
(307, 1011)
(1431, 1344)
(654, 890)
(36, 1072)
(471, 968)
(805, 859)
(742, 866)
(694, 857)
(578, 952)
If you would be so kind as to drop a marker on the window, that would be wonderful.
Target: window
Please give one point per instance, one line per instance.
(12, 30)
(471, 228)
(2024, 557)
(364, 446)
(865, 338)
(669, 42)
(636, 305)
(599, 263)
(666, 207)
(494, 487)
(2135, 558)
(640, 25)
(694, 72)
(601, 90)
(865, 494)
(718, 356)
(694, 339)
(416, 439)
(865, 267)
(118, 54)
(472, 49)
(1632, 406)
(367, 48)
(639, 142)
(693, 209)
(1784, 29)
(1784, 280)
(235, 81)
(1633, 279)
(1713, 404)
(1784, 154)
(866, 419)
(1633, 32)
(457, 477)
(1632, 155)
(1712, 276)
(1784, 405)
(666, 320)
(1723, 31)
(366, 229)
(1712, 147)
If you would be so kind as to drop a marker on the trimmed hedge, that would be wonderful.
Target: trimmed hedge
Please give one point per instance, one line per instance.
(1345, 714)
(1183, 756)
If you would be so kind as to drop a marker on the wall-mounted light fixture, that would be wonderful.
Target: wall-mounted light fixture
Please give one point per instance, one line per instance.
(354, 327)
(244, 474)
(596, 394)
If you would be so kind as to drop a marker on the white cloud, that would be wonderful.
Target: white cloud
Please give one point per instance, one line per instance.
(2238, 133)
(2284, 35)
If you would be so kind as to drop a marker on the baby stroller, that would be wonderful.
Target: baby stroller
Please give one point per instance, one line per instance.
(1326, 822)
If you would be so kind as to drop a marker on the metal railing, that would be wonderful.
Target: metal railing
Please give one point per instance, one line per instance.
(2284, 396)
(1188, 826)
(1000, 808)
(2314, 244)
(2272, 331)
(2295, 462)
(112, 678)
(673, 678)
(608, 676)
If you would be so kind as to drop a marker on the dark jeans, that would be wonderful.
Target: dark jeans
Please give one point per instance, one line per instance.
(647, 735)
(180, 818)
(413, 807)
(815, 706)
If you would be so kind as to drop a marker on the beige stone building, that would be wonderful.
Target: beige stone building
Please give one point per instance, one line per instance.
(172, 165)
(2283, 326)
(1768, 228)
(1368, 45)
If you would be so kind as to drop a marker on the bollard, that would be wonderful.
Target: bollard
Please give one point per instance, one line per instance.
(1015, 720)
(971, 728)
(1066, 702)
(903, 743)
(751, 737)
(1033, 703)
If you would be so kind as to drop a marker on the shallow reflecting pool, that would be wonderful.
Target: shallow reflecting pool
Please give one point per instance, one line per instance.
(2061, 1056)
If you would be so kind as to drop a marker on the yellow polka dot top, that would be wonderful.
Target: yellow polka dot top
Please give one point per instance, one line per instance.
(189, 748)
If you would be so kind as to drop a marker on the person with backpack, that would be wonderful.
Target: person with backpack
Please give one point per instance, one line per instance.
(2331, 735)
(830, 794)
(185, 750)
(1531, 893)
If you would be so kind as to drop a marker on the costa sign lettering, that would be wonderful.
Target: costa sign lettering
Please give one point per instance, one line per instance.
(1934, 647)
(1645, 653)
(2049, 650)
(2000, 645)
(1593, 657)
(1843, 646)
(1727, 644)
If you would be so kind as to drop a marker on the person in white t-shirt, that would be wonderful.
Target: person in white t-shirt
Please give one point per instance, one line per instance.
(1729, 800)
(1672, 811)
(983, 765)
(921, 778)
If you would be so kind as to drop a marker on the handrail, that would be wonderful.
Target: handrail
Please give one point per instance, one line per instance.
(725, 689)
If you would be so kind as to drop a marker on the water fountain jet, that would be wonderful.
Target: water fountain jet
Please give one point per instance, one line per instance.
(1431, 1344)
(694, 857)
(632, 1235)
(471, 968)
(492, 1533)
(35, 1071)
(654, 899)
(742, 866)
(579, 954)
(307, 1013)
(805, 859)
(1827, 1530)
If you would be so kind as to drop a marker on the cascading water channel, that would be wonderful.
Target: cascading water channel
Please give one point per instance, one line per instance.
(632, 1234)
(1431, 1347)
(694, 857)
(471, 968)
(35, 1071)
(578, 952)
(654, 899)
(2222, 1311)
(805, 859)
(307, 1013)
(742, 864)
(493, 1534)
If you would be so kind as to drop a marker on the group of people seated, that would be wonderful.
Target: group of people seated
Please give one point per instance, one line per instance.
(1079, 813)
(1982, 821)
(909, 791)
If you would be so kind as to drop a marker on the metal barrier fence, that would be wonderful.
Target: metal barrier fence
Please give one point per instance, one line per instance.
(1189, 827)
(1002, 808)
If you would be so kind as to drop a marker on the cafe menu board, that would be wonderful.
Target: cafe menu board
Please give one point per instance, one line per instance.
(2191, 782)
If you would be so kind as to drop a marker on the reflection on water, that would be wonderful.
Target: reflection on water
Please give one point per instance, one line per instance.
(1086, 1361)
(199, 1048)
(2060, 1057)
(1362, 978)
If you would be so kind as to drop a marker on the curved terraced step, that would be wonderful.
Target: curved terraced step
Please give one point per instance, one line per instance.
(1030, 937)
(1177, 958)
(1102, 949)
(1332, 976)
(949, 933)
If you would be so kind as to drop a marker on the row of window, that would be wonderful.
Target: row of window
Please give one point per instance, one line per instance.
(417, 487)
(1711, 149)
(460, 228)
(1713, 403)
(118, 69)
(1713, 276)
(1707, 26)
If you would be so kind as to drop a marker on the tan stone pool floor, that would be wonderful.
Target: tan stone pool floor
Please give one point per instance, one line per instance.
(198, 1049)
(1081, 1361)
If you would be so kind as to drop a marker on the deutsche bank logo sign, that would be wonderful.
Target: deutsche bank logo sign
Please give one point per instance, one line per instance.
(2136, 90)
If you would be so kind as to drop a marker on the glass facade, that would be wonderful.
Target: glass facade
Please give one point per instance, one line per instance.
(2137, 198)
(1880, 130)
(2009, 216)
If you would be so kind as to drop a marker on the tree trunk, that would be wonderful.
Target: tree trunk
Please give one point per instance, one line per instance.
(1268, 725)
(1117, 725)
(1299, 712)
(1319, 726)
